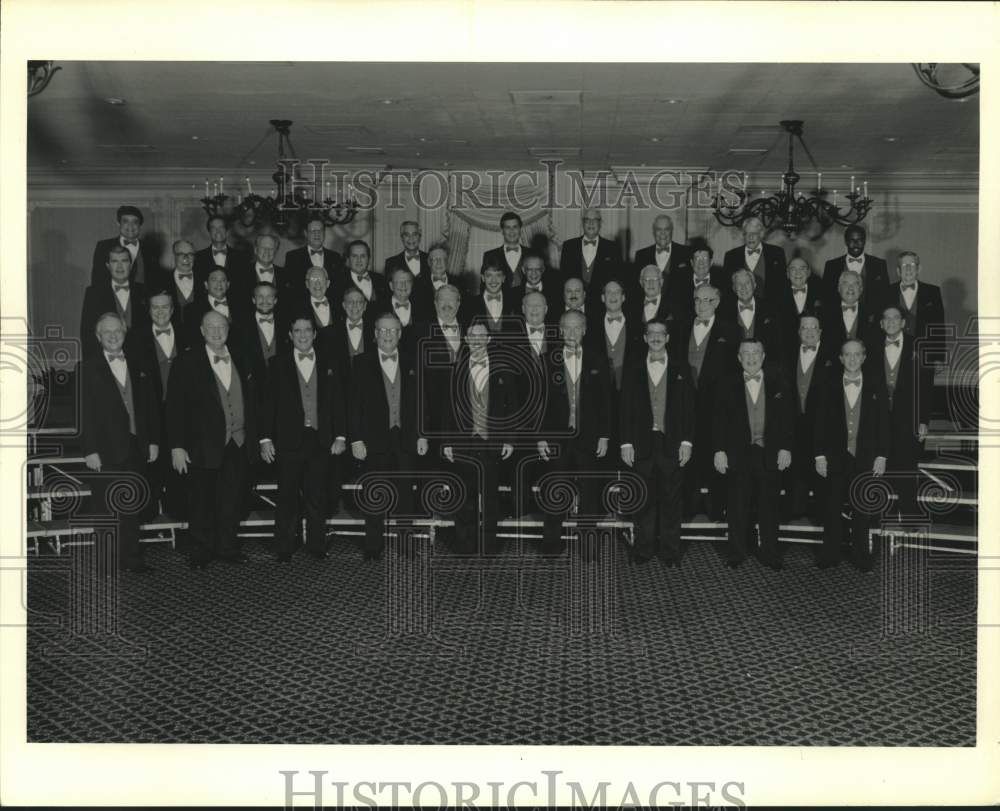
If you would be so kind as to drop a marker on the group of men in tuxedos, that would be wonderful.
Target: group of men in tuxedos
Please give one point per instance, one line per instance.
(715, 385)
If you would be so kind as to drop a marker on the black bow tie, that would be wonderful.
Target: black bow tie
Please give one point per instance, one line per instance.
(799, 289)
(754, 252)
(267, 271)
(572, 354)
(265, 319)
(652, 301)
(315, 251)
(306, 355)
(662, 360)
(116, 356)
(354, 325)
(362, 278)
(855, 260)
(386, 358)
(748, 378)
(663, 250)
(223, 358)
(130, 242)
(702, 321)
(476, 363)
(494, 297)
(410, 256)
(852, 382)
(612, 319)
(590, 242)
(808, 348)
(217, 251)
(450, 327)
(909, 287)
(323, 303)
(185, 275)
(536, 330)
(121, 287)
(746, 307)
(401, 305)
(533, 288)
(158, 332)
(897, 343)
(512, 249)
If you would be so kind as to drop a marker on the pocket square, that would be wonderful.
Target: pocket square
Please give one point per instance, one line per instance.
(777, 396)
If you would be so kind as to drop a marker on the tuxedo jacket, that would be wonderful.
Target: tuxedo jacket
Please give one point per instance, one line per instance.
(927, 307)
(236, 264)
(399, 261)
(636, 307)
(635, 417)
(510, 311)
(334, 344)
(788, 315)
(830, 434)
(866, 324)
(147, 258)
(720, 354)
(238, 312)
(594, 403)
(184, 311)
(764, 324)
(423, 290)
(551, 290)
(502, 404)
(731, 424)
(435, 365)
(245, 335)
(679, 264)
(344, 281)
(532, 372)
(104, 422)
(298, 262)
(141, 348)
(195, 419)
(607, 266)
(770, 268)
(875, 274)
(910, 403)
(632, 333)
(282, 417)
(100, 299)
(825, 364)
(368, 411)
(497, 256)
(244, 279)
(680, 290)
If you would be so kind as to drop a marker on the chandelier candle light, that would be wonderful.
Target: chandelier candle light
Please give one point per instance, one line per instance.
(795, 213)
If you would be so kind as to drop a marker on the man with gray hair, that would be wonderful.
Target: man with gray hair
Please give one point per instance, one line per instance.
(591, 258)
(849, 318)
(671, 258)
(918, 301)
(766, 262)
(411, 257)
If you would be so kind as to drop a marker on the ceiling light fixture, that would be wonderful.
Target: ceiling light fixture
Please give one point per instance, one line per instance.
(40, 73)
(962, 78)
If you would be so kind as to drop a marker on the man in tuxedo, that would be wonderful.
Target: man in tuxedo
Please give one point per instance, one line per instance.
(753, 437)
(577, 415)
(261, 334)
(574, 297)
(212, 426)
(651, 303)
(656, 429)
(681, 285)
(383, 421)
(437, 354)
(413, 316)
(217, 299)
(538, 279)
(483, 396)
(808, 368)
(155, 348)
(263, 269)
(144, 262)
(591, 257)
(303, 422)
(493, 306)
(374, 288)
(908, 384)
(803, 295)
(766, 262)
(510, 255)
(119, 429)
(113, 294)
(618, 336)
(411, 257)
(750, 313)
(437, 265)
(220, 253)
(184, 288)
(315, 304)
(849, 317)
(313, 254)
(872, 270)
(851, 439)
(671, 258)
(708, 344)
(918, 302)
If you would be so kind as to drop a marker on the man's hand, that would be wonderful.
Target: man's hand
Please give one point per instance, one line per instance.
(543, 449)
(93, 461)
(338, 447)
(602, 447)
(506, 451)
(154, 453)
(267, 451)
(422, 446)
(359, 451)
(721, 461)
(684, 454)
(878, 468)
(180, 460)
(447, 453)
(784, 459)
(628, 455)
(821, 466)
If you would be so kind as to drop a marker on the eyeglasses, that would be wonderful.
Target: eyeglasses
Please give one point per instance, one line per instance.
(387, 331)
(184, 253)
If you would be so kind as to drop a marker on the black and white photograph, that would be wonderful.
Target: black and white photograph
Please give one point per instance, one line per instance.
(506, 402)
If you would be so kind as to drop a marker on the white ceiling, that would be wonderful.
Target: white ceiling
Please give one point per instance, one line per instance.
(497, 115)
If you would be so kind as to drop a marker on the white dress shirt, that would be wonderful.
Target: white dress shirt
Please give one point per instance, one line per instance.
(753, 386)
(122, 295)
(305, 364)
(390, 366)
(572, 361)
(656, 371)
(133, 249)
(853, 392)
(321, 308)
(589, 252)
(316, 259)
(403, 311)
(165, 340)
(119, 367)
(800, 299)
(364, 285)
(452, 336)
(266, 327)
(439, 283)
(536, 338)
(221, 306)
(185, 285)
(494, 306)
(413, 263)
(849, 316)
(747, 316)
(223, 370)
(264, 274)
(354, 335)
(856, 264)
(512, 257)
(701, 330)
(649, 308)
(892, 352)
(806, 359)
(479, 374)
(909, 295)
(613, 329)
(662, 257)
(752, 259)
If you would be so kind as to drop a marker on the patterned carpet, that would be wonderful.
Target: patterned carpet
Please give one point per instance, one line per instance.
(519, 651)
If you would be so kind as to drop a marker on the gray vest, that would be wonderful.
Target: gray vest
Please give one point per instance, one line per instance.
(479, 402)
(586, 271)
(891, 375)
(909, 316)
(126, 393)
(163, 362)
(853, 333)
(573, 396)
(616, 356)
(351, 351)
(126, 313)
(803, 380)
(853, 416)
(232, 407)
(755, 413)
(658, 401)
(308, 391)
(267, 350)
(392, 395)
(696, 354)
(746, 332)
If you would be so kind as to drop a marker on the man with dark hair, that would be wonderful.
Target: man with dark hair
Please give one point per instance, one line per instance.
(212, 426)
(314, 254)
(375, 288)
(119, 429)
(682, 284)
(261, 333)
(753, 437)
(852, 438)
(495, 307)
(411, 257)
(114, 294)
(803, 295)
(540, 279)
(144, 262)
(219, 253)
(183, 287)
(919, 302)
(591, 257)
(656, 429)
(303, 423)
(872, 270)
(412, 316)
(510, 255)
(262, 269)
(767, 262)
